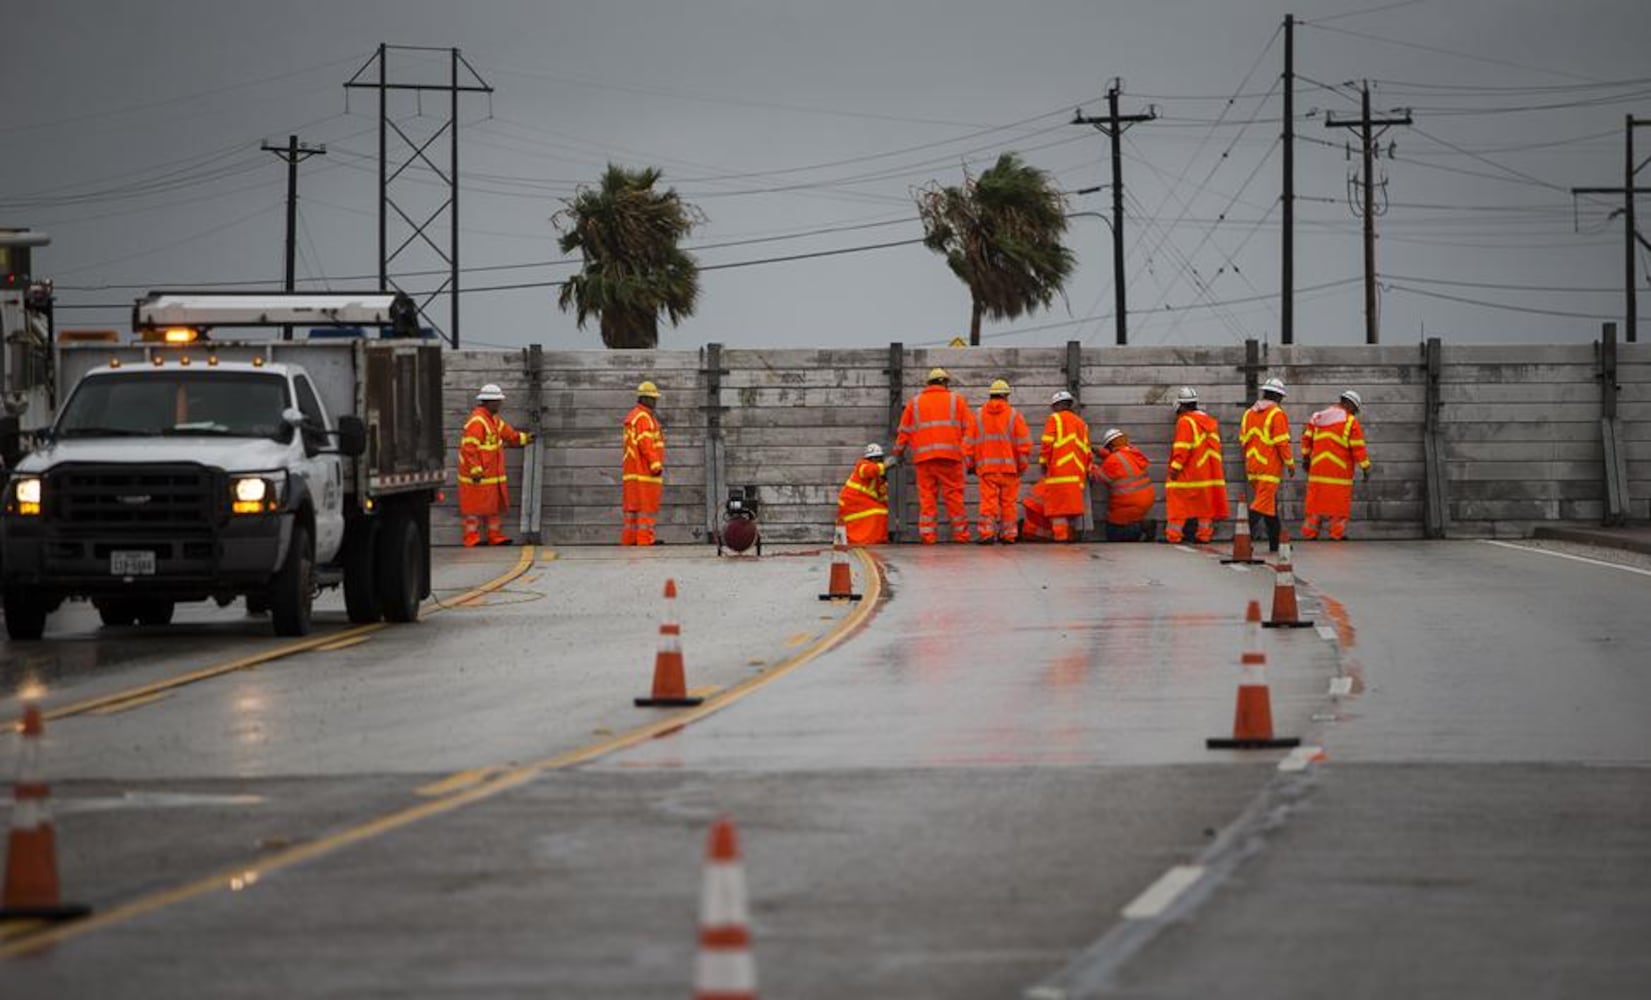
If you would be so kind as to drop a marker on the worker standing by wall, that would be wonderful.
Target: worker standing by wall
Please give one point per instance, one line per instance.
(937, 428)
(1196, 489)
(1065, 458)
(484, 494)
(1331, 444)
(1130, 493)
(1002, 453)
(1264, 434)
(863, 502)
(643, 470)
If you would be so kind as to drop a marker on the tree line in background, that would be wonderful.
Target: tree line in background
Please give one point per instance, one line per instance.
(1000, 233)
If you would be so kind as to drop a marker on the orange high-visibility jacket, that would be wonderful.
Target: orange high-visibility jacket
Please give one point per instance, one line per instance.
(1197, 484)
(937, 424)
(1264, 434)
(1132, 492)
(644, 447)
(1004, 443)
(482, 487)
(1065, 458)
(865, 497)
(1331, 444)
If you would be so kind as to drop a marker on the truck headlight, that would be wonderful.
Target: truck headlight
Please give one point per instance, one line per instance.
(26, 491)
(257, 493)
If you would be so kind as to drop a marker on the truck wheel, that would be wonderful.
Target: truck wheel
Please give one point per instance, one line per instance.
(155, 612)
(116, 612)
(26, 614)
(400, 559)
(293, 590)
(360, 573)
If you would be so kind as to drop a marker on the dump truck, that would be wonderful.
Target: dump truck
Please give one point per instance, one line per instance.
(186, 466)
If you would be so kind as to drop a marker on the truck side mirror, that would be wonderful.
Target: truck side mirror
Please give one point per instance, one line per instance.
(352, 436)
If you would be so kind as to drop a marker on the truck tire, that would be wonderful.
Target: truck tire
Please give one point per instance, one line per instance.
(293, 590)
(400, 559)
(361, 573)
(116, 611)
(26, 614)
(155, 612)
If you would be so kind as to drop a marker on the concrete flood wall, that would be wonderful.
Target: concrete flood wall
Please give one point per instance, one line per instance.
(1515, 436)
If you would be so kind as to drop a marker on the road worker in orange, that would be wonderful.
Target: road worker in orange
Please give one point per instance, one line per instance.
(863, 502)
(1130, 490)
(1196, 489)
(1264, 434)
(643, 471)
(1331, 444)
(1003, 451)
(484, 494)
(1065, 458)
(937, 430)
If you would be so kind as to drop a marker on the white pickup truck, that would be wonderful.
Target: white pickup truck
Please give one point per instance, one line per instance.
(183, 467)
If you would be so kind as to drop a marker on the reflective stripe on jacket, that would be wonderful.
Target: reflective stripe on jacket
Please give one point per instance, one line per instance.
(1065, 454)
(644, 447)
(1195, 456)
(1004, 444)
(481, 447)
(936, 424)
(1331, 444)
(866, 494)
(1264, 434)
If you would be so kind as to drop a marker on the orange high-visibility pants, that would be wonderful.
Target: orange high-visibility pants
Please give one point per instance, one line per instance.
(999, 501)
(1338, 526)
(941, 479)
(1263, 497)
(641, 511)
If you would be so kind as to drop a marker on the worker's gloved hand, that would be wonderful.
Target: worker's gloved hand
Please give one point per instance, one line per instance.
(527, 438)
(475, 479)
(658, 470)
(1367, 472)
(1290, 470)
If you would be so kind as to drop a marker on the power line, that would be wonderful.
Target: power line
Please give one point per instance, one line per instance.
(1493, 305)
(1436, 50)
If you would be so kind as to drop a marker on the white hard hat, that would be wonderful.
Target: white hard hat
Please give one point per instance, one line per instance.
(1274, 385)
(1354, 398)
(1187, 394)
(874, 450)
(1112, 434)
(1061, 396)
(490, 391)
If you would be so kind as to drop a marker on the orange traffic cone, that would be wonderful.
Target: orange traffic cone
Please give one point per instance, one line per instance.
(1253, 719)
(1242, 552)
(670, 686)
(842, 581)
(1284, 594)
(724, 968)
(31, 849)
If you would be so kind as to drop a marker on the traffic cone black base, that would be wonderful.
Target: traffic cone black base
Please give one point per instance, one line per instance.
(1232, 744)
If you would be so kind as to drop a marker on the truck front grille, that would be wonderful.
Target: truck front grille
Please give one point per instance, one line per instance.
(149, 496)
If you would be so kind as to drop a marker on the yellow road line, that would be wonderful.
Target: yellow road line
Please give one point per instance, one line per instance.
(799, 639)
(354, 640)
(245, 877)
(454, 782)
(704, 692)
(523, 561)
(126, 706)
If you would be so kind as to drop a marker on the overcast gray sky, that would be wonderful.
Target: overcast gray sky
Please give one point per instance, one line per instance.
(131, 134)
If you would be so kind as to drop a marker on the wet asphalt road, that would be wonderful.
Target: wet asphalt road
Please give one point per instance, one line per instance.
(956, 801)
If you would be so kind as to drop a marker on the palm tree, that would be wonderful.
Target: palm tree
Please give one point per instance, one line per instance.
(633, 269)
(1001, 235)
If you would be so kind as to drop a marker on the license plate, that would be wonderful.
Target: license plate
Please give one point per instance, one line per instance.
(132, 564)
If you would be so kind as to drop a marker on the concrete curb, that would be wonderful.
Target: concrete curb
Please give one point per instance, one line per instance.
(1629, 539)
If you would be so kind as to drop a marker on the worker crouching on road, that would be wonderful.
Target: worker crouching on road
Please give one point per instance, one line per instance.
(1065, 458)
(1264, 434)
(1034, 523)
(1130, 493)
(484, 494)
(863, 503)
(1003, 450)
(1196, 489)
(938, 429)
(642, 474)
(1331, 444)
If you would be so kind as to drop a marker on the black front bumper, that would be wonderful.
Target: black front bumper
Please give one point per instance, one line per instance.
(192, 563)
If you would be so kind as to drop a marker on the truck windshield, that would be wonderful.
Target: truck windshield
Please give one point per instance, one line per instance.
(156, 403)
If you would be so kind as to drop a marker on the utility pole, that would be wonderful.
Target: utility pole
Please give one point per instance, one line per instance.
(293, 153)
(1114, 125)
(1367, 127)
(1287, 271)
(1630, 230)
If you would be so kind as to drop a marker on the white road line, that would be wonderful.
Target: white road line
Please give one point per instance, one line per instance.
(1162, 893)
(1300, 757)
(1567, 555)
(1340, 686)
(1326, 632)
